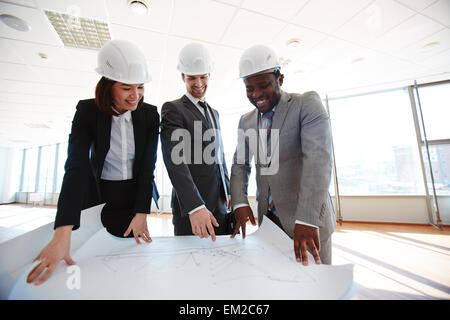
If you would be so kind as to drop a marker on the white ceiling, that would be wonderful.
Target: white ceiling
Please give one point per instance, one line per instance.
(344, 45)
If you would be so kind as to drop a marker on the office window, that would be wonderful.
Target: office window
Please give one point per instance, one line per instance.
(62, 157)
(46, 168)
(375, 144)
(435, 103)
(29, 170)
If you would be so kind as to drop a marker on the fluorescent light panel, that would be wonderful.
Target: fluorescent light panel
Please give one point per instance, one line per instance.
(79, 32)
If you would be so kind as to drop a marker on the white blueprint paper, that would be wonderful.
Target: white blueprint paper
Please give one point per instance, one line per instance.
(261, 266)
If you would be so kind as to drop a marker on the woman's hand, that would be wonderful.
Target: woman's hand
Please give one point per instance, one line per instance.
(56, 250)
(139, 227)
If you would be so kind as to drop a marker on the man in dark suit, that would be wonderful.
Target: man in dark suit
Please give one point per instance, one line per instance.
(193, 152)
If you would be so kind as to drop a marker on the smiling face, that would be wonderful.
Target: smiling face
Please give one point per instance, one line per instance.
(264, 90)
(196, 85)
(126, 96)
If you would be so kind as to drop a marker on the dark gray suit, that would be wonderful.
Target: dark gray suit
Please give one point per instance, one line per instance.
(194, 181)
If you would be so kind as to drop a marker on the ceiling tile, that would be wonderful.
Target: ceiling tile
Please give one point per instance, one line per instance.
(428, 47)
(235, 3)
(439, 11)
(57, 57)
(151, 43)
(9, 98)
(307, 39)
(439, 61)
(417, 5)
(43, 89)
(412, 30)
(336, 14)
(190, 21)
(26, 3)
(65, 77)
(9, 53)
(373, 21)
(250, 28)
(78, 8)
(332, 51)
(40, 31)
(80, 59)
(17, 72)
(281, 9)
(157, 19)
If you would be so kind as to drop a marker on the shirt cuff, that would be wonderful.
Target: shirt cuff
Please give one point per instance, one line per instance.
(198, 208)
(306, 224)
(240, 205)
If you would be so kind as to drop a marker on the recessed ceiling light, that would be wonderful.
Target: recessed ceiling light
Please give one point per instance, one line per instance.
(37, 125)
(431, 45)
(139, 7)
(357, 60)
(43, 55)
(15, 22)
(18, 141)
(293, 42)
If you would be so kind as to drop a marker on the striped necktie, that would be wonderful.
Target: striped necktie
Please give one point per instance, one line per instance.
(269, 116)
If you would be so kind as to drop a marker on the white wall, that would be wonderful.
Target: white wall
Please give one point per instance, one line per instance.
(10, 168)
(399, 209)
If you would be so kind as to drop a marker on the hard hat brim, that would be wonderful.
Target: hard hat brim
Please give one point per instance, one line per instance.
(126, 81)
(270, 70)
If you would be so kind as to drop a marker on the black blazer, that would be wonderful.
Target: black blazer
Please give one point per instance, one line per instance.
(88, 145)
(194, 184)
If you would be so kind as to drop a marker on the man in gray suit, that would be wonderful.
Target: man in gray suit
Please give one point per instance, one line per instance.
(293, 158)
(193, 152)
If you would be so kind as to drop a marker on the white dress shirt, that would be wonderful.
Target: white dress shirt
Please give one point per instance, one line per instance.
(120, 157)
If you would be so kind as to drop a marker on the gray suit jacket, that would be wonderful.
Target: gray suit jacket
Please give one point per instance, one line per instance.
(300, 166)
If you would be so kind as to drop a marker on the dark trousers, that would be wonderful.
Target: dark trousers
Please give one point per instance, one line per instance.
(182, 224)
(119, 208)
(274, 219)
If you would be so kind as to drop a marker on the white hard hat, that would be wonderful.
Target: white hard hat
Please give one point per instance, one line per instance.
(258, 59)
(194, 59)
(122, 61)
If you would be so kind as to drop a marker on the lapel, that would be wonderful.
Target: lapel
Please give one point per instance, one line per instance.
(138, 118)
(194, 110)
(278, 119)
(103, 135)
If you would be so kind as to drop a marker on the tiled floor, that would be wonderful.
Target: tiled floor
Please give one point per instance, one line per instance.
(390, 261)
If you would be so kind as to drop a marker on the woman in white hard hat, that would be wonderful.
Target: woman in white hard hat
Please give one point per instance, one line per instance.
(111, 156)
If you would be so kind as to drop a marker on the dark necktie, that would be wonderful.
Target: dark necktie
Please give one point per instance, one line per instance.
(204, 105)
